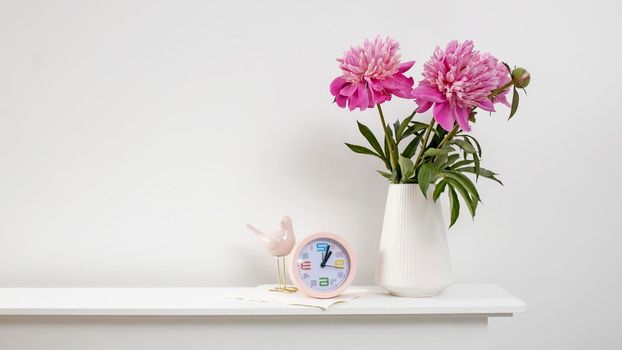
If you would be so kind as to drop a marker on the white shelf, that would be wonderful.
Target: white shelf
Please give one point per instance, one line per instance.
(456, 300)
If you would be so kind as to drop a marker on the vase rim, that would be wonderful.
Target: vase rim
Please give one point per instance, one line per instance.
(432, 186)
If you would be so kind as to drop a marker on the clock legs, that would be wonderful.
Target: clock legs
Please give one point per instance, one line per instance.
(282, 287)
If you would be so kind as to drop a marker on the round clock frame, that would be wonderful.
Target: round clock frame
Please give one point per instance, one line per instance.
(302, 286)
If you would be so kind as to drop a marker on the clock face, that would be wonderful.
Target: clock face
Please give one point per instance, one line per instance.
(322, 264)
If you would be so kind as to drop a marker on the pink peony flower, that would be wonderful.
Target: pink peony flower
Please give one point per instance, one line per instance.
(457, 80)
(372, 73)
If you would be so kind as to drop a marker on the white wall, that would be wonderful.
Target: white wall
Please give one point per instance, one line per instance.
(137, 137)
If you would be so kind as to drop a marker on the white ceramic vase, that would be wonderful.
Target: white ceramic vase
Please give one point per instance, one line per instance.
(414, 256)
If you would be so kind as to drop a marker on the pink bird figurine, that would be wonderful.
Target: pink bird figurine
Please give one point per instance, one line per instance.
(279, 244)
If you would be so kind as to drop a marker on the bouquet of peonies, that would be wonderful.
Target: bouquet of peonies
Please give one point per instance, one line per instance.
(456, 82)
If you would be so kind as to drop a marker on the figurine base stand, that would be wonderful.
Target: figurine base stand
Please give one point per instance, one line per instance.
(282, 286)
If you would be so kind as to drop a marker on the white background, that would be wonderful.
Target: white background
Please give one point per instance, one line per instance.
(137, 137)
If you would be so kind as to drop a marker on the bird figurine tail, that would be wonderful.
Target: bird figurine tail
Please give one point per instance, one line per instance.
(256, 231)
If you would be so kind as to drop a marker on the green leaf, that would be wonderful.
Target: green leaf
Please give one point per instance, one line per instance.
(466, 183)
(464, 193)
(479, 148)
(408, 168)
(431, 152)
(465, 145)
(414, 129)
(461, 164)
(469, 142)
(395, 175)
(440, 160)
(451, 159)
(411, 148)
(477, 167)
(508, 67)
(406, 133)
(449, 148)
(440, 131)
(426, 175)
(482, 172)
(419, 125)
(454, 205)
(440, 187)
(403, 126)
(514, 107)
(385, 174)
(434, 132)
(361, 150)
(396, 127)
(370, 137)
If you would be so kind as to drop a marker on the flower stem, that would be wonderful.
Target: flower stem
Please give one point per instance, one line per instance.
(425, 142)
(450, 135)
(499, 90)
(387, 136)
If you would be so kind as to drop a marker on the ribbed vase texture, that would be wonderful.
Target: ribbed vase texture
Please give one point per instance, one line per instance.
(414, 256)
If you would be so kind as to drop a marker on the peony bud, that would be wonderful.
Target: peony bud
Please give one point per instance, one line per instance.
(521, 77)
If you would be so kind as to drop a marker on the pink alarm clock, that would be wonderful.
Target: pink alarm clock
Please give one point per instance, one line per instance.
(323, 265)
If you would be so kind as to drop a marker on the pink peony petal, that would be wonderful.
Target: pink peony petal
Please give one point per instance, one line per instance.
(336, 85)
(341, 101)
(375, 84)
(462, 117)
(486, 105)
(391, 83)
(347, 89)
(399, 86)
(353, 101)
(503, 99)
(363, 96)
(428, 93)
(403, 81)
(406, 80)
(403, 93)
(372, 94)
(443, 115)
(380, 97)
(370, 98)
(405, 66)
(423, 106)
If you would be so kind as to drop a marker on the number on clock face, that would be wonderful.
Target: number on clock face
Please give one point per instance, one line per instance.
(323, 265)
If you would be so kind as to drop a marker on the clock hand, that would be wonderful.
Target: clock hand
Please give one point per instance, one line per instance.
(325, 255)
(323, 264)
(328, 254)
(337, 267)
